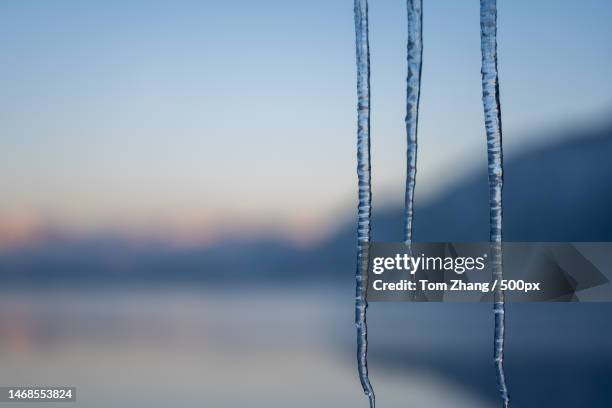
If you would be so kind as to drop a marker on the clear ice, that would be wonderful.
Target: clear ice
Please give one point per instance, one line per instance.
(492, 112)
(413, 93)
(365, 191)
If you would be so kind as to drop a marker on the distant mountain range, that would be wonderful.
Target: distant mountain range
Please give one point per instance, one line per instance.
(559, 192)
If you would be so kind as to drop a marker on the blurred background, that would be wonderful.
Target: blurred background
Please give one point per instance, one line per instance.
(177, 216)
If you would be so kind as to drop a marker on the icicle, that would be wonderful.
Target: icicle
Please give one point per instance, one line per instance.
(365, 193)
(413, 93)
(490, 97)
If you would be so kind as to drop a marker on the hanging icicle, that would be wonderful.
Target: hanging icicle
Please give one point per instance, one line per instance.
(413, 93)
(365, 191)
(492, 111)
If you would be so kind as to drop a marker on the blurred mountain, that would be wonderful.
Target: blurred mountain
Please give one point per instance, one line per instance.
(556, 192)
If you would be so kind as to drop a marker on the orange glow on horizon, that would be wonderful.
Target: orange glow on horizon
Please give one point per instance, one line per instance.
(20, 229)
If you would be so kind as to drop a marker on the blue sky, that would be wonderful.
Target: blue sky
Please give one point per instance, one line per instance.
(224, 116)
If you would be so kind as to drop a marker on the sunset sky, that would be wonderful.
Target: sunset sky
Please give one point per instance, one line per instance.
(202, 118)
